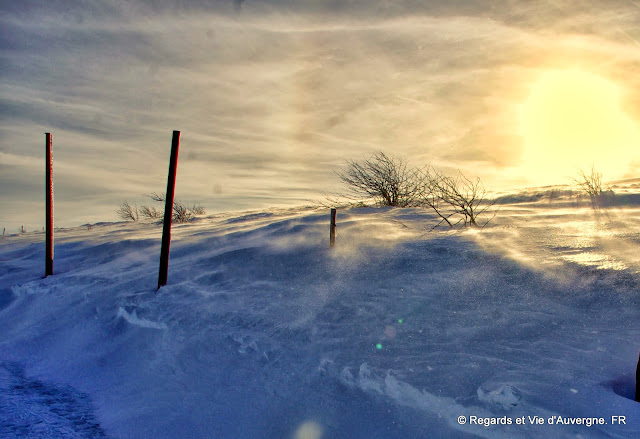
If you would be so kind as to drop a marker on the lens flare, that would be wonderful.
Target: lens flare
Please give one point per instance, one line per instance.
(308, 430)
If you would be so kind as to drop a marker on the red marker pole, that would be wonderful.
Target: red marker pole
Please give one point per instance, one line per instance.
(48, 265)
(168, 211)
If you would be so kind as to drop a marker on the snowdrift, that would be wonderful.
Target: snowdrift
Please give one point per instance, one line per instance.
(265, 332)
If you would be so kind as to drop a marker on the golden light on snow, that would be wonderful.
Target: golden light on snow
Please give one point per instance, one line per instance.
(598, 260)
(574, 120)
(308, 430)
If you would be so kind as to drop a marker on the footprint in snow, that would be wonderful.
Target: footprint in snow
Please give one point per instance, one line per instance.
(34, 409)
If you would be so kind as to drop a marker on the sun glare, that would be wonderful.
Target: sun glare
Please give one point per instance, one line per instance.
(573, 120)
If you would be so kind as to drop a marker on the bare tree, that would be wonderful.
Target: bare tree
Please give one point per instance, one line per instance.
(128, 212)
(391, 182)
(386, 179)
(430, 196)
(456, 196)
(591, 184)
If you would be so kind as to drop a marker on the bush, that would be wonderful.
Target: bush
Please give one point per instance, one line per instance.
(458, 196)
(182, 213)
(385, 179)
(128, 212)
(591, 184)
(391, 182)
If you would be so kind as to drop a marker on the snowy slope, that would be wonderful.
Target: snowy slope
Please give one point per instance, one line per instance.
(265, 332)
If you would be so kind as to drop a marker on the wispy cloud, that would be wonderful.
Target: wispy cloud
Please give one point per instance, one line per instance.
(272, 96)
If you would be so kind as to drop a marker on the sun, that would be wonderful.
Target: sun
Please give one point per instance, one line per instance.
(573, 120)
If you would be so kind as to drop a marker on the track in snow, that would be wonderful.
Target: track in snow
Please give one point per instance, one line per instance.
(33, 409)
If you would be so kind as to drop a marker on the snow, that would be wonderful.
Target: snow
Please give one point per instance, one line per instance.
(265, 332)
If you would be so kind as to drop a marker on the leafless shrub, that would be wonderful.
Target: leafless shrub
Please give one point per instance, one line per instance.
(156, 197)
(430, 196)
(197, 209)
(591, 184)
(182, 213)
(388, 180)
(391, 182)
(150, 212)
(457, 196)
(454, 200)
(128, 212)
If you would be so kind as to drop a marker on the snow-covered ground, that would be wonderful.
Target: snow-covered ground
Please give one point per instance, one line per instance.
(265, 332)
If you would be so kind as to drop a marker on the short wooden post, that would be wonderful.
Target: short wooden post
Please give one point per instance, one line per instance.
(48, 264)
(638, 380)
(168, 210)
(332, 229)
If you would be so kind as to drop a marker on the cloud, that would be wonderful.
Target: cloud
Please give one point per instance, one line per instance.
(273, 97)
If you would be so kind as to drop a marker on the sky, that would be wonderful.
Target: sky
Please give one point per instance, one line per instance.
(271, 97)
